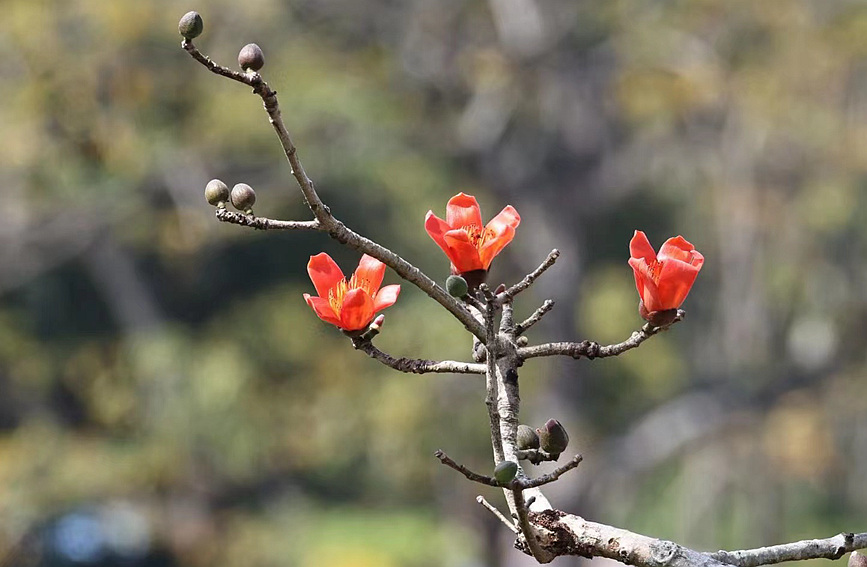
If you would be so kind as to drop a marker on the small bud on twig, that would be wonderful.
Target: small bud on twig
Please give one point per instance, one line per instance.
(191, 25)
(251, 57)
(217, 193)
(505, 472)
(857, 560)
(457, 286)
(243, 198)
(553, 438)
(527, 438)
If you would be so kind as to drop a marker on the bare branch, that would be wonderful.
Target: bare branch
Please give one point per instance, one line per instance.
(591, 349)
(475, 477)
(415, 365)
(830, 548)
(262, 223)
(529, 278)
(522, 327)
(551, 476)
(530, 537)
(493, 510)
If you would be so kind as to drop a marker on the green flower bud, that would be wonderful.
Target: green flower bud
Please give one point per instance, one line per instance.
(243, 197)
(251, 57)
(553, 438)
(527, 438)
(191, 25)
(457, 286)
(217, 193)
(857, 560)
(506, 471)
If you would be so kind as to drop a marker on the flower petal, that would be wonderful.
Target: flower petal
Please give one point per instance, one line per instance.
(436, 228)
(507, 217)
(463, 210)
(681, 249)
(322, 308)
(385, 297)
(357, 310)
(463, 254)
(371, 271)
(639, 247)
(675, 281)
(495, 244)
(324, 272)
(647, 288)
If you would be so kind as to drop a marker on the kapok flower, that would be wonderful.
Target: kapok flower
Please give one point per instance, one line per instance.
(349, 303)
(663, 280)
(469, 245)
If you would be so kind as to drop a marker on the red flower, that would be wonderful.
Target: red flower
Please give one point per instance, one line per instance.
(349, 304)
(663, 280)
(469, 245)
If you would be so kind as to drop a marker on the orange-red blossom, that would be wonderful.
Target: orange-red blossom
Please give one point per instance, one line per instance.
(663, 280)
(468, 243)
(350, 303)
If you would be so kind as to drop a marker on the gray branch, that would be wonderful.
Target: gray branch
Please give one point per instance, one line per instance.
(591, 349)
(415, 365)
(262, 223)
(528, 280)
(830, 548)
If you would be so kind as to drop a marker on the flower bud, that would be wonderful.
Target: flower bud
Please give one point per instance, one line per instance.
(251, 57)
(505, 472)
(243, 197)
(553, 438)
(857, 560)
(527, 438)
(457, 286)
(217, 193)
(191, 25)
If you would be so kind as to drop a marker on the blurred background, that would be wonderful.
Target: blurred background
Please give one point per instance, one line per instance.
(167, 399)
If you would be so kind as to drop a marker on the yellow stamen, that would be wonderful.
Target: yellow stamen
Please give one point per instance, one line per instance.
(478, 235)
(337, 293)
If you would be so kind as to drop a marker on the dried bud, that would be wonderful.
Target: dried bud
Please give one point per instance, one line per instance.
(857, 560)
(553, 438)
(217, 193)
(243, 198)
(506, 471)
(527, 438)
(191, 25)
(457, 286)
(251, 57)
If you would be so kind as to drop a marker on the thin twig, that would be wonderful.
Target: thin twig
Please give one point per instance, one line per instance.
(551, 476)
(415, 365)
(529, 278)
(524, 523)
(475, 477)
(322, 213)
(831, 548)
(591, 349)
(537, 315)
(493, 510)
(262, 223)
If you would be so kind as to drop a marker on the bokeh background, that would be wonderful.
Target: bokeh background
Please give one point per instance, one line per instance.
(167, 399)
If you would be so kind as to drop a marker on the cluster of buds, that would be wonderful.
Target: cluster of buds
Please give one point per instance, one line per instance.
(250, 58)
(543, 443)
(242, 196)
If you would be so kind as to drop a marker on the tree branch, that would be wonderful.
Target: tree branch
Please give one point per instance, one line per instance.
(262, 223)
(475, 477)
(415, 365)
(537, 315)
(551, 476)
(591, 349)
(831, 548)
(529, 278)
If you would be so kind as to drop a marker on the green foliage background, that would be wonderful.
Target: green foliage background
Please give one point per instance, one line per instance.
(153, 358)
